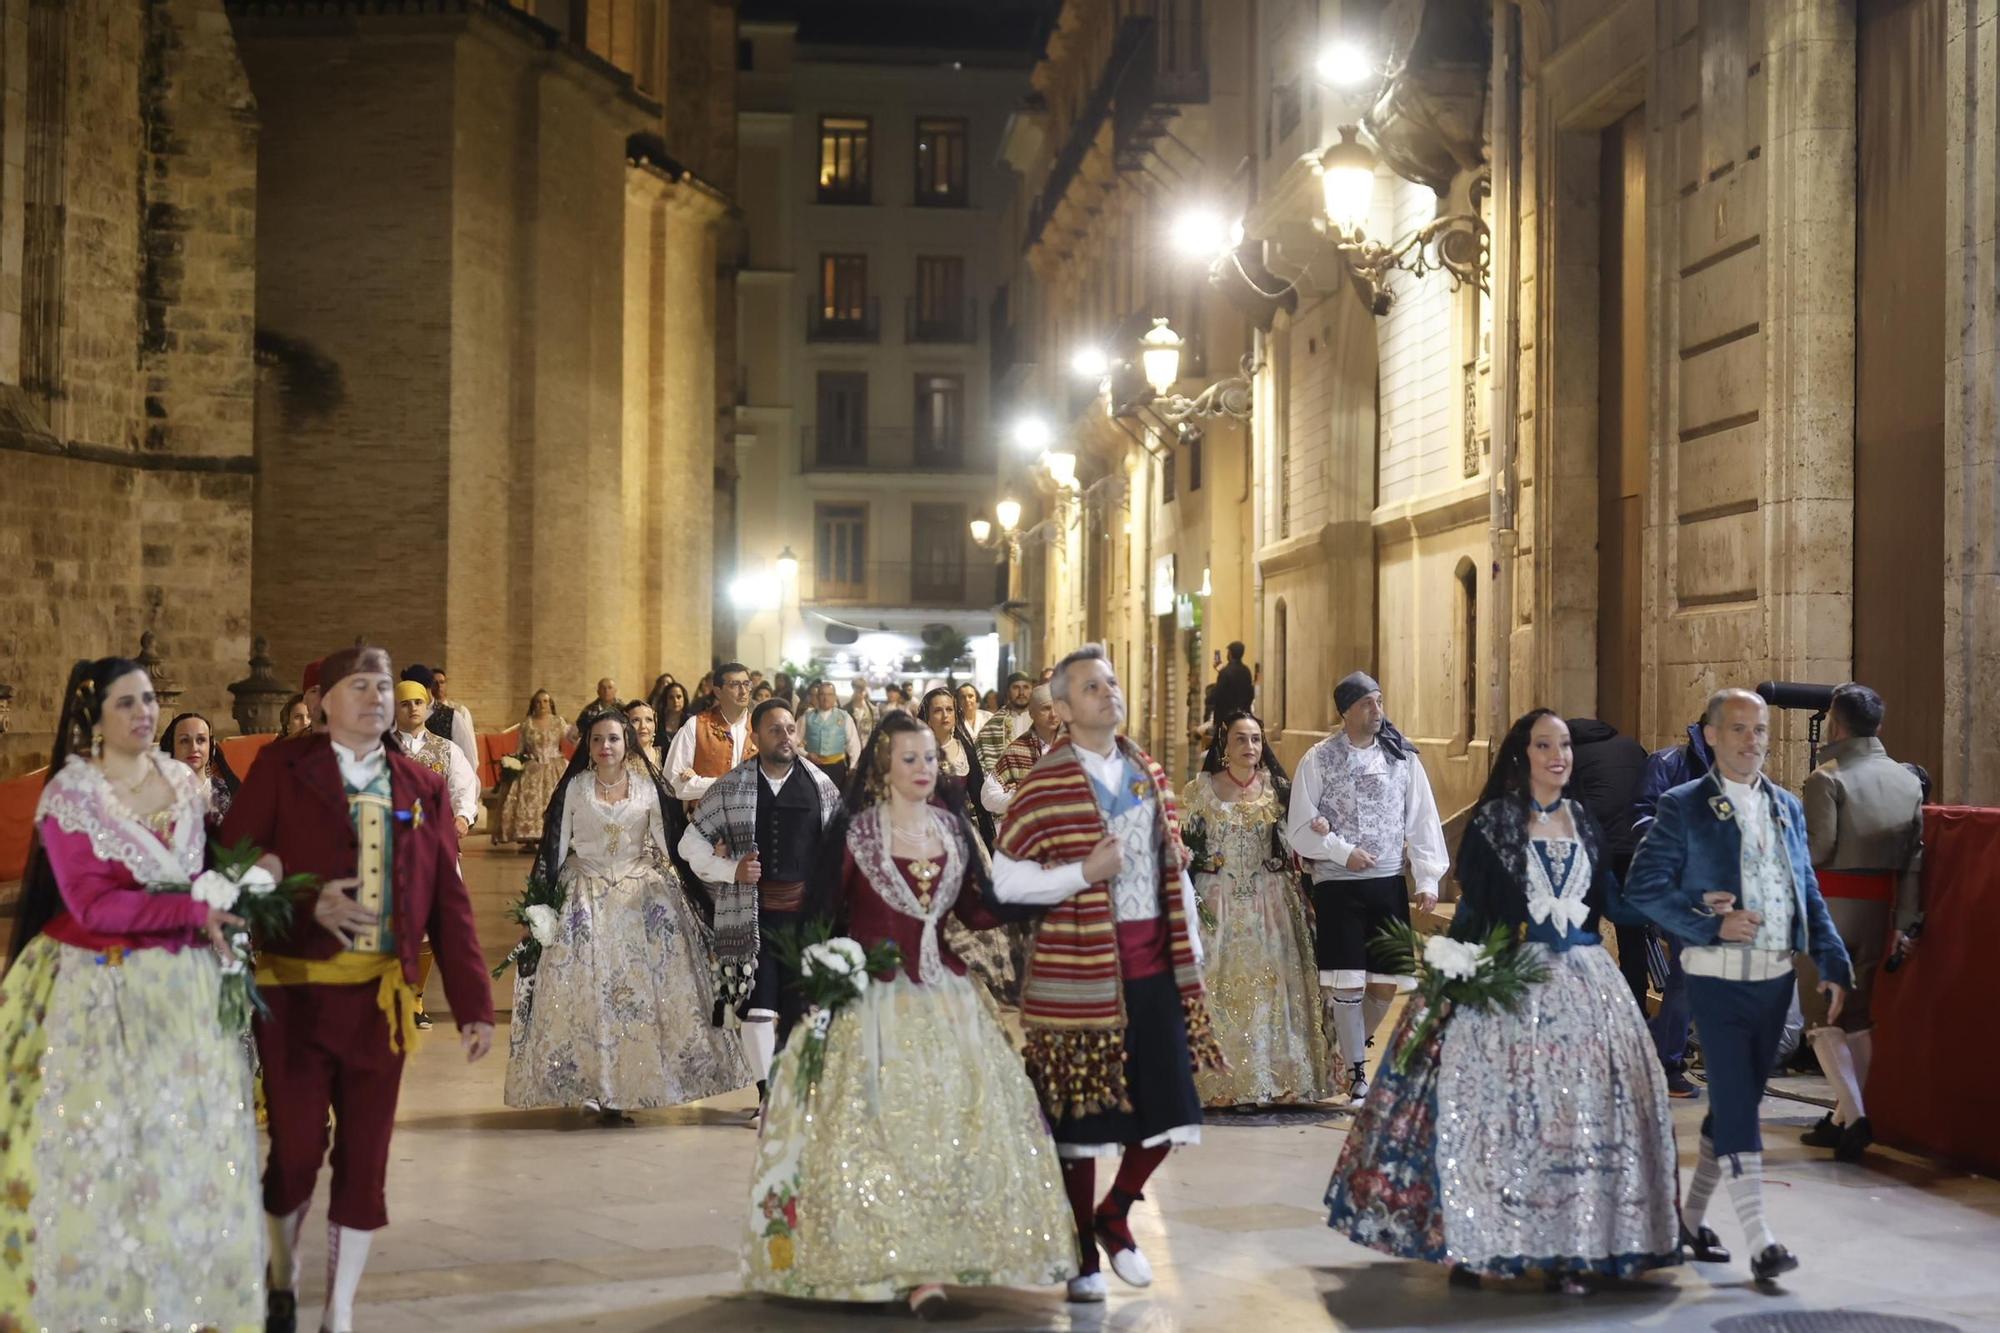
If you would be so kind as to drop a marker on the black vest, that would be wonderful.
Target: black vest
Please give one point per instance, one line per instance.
(788, 826)
(440, 720)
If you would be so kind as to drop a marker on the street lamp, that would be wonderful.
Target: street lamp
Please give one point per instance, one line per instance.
(1062, 469)
(1033, 434)
(787, 565)
(982, 531)
(1160, 356)
(1345, 65)
(1347, 185)
(1203, 233)
(1090, 363)
(1009, 514)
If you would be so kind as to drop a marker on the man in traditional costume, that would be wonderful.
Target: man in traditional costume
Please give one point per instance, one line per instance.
(1020, 755)
(832, 740)
(375, 827)
(1000, 730)
(420, 740)
(1113, 1009)
(1726, 870)
(860, 708)
(754, 840)
(1865, 829)
(1361, 811)
(715, 740)
(449, 720)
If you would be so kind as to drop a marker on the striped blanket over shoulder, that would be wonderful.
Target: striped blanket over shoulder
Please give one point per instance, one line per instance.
(1072, 1004)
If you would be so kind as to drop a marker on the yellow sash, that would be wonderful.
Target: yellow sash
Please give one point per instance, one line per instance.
(396, 997)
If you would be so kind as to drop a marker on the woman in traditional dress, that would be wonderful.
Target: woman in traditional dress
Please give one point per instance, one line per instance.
(190, 739)
(296, 718)
(1263, 986)
(1554, 1151)
(526, 800)
(128, 1178)
(618, 1016)
(646, 725)
(995, 957)
(918, 1155)
(671, 708)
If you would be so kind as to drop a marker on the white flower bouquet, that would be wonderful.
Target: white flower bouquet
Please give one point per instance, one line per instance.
(539, 911)
(511, 766)
(1453, 972)
(834, 971)
(236, 884)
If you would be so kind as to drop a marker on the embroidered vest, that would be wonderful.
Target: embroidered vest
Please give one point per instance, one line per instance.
(712, 746)
(826, 735)
(433, 755)
(373, 811)
(1362, 794)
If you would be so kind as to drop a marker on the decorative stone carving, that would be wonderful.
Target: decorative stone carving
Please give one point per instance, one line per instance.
(260, 696)
(155, 666)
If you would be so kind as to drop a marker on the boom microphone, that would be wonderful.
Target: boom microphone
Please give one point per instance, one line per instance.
(1793, 694)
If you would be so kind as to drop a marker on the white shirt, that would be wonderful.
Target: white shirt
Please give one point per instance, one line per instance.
(680, 755)
(1326, 853)
(1044, 886)
(359, 771)
(462, 734)
(699, 852)
(459, 778)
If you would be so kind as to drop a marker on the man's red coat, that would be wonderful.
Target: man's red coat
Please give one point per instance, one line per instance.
(294, 805)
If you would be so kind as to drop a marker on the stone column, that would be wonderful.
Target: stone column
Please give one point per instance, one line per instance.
(1972, 406)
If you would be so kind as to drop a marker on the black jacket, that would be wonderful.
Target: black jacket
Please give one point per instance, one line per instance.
(1235, 690)
(1606, 770)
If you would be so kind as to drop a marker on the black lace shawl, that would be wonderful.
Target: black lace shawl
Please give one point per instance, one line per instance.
(1493, 868)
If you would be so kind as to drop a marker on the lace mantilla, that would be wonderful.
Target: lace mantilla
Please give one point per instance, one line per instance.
(81, 800)
(871, 855)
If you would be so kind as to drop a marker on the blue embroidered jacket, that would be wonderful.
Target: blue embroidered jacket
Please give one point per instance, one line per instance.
(1695, 845)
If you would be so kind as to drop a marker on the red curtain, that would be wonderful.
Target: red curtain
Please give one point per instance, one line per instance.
(1935, 1085)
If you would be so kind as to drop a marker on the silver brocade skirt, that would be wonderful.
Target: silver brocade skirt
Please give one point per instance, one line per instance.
(1554, 1146)
(1536, 1140)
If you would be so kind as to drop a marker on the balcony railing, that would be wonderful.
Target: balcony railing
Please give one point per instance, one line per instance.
(827, 448)
(899, 583)
(854, 324)
(952, 324)
(1140, 82)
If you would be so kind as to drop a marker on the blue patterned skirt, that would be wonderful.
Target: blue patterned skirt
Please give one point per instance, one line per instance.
(1537, 1139)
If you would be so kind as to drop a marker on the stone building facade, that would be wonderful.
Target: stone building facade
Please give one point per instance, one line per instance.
(1719, 413)
(127, 226)
(1136, 112)
(866, 438)
(489, 292)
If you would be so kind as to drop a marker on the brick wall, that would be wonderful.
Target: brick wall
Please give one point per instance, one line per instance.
(145, 524)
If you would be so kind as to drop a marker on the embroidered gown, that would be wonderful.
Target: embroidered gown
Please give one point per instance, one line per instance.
(617, 1013)
(994, 957)
(919, 1154)
(128, 1152)
(1538, 1139)
(1263, 988)
(527, 797)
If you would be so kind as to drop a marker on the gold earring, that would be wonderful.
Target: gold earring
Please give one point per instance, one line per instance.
(96, 743)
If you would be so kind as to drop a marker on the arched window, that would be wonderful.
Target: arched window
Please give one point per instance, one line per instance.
(1468, 655)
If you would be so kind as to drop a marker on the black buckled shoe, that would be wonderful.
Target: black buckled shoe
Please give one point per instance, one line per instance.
(1854, 1140)
(1823, 1134)
(281, 1312)
(1703, 1245)
(1771, 1261)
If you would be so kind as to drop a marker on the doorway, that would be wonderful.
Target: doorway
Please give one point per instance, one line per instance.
(1621, 418)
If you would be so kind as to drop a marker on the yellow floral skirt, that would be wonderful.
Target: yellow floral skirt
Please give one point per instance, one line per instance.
(128, 1155)
(919, 1155)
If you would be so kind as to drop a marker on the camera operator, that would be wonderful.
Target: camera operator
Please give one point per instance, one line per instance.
(1865, 831)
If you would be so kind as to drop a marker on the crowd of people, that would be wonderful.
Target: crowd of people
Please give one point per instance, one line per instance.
(1008, 862)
